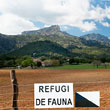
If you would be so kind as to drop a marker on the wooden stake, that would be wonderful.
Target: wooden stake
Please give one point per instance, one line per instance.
(14, 89)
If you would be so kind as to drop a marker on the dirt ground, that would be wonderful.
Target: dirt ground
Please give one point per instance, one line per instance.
(83, 79)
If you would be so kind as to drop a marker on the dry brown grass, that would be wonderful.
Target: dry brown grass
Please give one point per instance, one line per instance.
(30, 77)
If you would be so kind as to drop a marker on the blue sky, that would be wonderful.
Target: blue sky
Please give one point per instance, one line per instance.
(77, 32)
(77, 17)
(100, 29)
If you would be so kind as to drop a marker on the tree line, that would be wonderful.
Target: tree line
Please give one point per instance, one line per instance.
(25, 61)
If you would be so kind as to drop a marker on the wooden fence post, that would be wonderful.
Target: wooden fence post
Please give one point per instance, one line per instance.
(14, 89)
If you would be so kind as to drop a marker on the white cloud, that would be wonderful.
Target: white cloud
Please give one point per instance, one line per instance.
(98, 13)
(64, 28)
(46, 25)
(12, 24)
(61, 12)
(88, 26)
(105, 24)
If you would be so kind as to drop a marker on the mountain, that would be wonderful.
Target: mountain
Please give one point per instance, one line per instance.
(97, 37)
(7, 44)
(85, 46)
(42, 48)
(53, 34)
(45, 31)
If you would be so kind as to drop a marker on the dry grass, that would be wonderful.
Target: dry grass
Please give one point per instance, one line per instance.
(30, 77)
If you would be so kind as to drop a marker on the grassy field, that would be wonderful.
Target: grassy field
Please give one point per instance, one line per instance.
(80, 67)
(83, 79)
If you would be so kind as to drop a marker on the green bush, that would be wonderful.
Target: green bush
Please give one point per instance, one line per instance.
(27, 62)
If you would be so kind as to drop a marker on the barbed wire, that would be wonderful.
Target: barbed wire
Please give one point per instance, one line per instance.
(32, 84)
(92, 82)
(16, 107)
(6, 86)
(28, 100)
(30, 92)
(34, 108)
(24, 92)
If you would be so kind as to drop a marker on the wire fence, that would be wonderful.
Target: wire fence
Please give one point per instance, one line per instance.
(29, 100)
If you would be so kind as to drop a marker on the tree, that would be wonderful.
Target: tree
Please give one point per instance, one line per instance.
(96, 63)
(103, 60)
(71, 61)
(76, 60)
(9, 63)
(55, 62)
(27, 62)
(19, 61)
(39, 64)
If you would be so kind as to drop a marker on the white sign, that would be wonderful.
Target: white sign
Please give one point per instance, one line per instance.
(87, 99)
(53, 95)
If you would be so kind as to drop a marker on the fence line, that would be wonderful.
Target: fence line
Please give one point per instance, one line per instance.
(33, 100)
(92, 82)
(98, 82)
(34, 108)
(30, 92)
(25, 92)
(5, 86)
(17, 100)
(15, 107)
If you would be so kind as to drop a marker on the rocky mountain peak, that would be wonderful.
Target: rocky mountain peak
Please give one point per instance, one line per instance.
(97, 37)
(45, 31)
(55, 27)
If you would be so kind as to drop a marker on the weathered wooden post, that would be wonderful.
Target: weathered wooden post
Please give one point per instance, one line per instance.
(14, 89)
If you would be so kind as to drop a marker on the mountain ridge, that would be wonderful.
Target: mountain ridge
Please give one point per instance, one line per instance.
(97, 37)
(42, 48)
(44, 31)
(90, 44)
(7, 44)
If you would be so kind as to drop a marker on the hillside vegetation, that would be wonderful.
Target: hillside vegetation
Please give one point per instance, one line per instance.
(7, 44)
(42, 48)
(91, 45)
